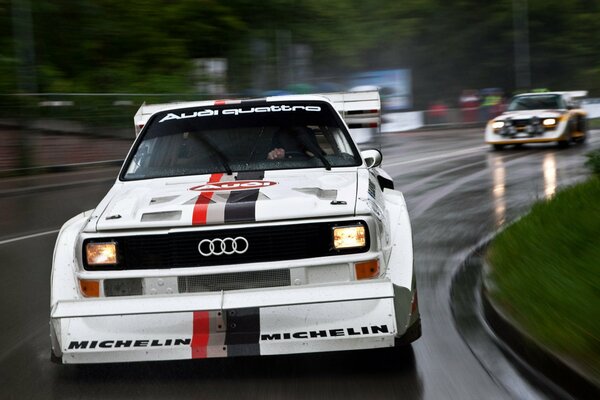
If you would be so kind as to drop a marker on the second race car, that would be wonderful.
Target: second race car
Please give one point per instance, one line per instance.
(539, 118)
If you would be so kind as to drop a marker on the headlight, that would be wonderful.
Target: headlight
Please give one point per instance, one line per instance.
(101, 253)
(549, 122)
(346, 237)
(498, 124)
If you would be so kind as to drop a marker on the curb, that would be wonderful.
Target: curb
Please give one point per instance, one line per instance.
(535, 355)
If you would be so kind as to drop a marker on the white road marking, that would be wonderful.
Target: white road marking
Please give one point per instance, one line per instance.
(438, 156)
(28, 236)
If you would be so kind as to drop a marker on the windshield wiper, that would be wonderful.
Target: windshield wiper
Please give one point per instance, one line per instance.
(321, 157)
(217, 152)
(315, 149)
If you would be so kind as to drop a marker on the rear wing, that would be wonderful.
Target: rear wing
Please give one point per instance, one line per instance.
(577, 94)
(574, 97)
(358, 109)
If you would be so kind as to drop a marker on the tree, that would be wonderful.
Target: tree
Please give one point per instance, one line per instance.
(450, 45)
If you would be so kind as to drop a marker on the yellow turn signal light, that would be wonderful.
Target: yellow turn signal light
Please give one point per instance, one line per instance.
(89, 288)
(367, 270)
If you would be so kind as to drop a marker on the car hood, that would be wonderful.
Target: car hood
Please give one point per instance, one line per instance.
(526, 114)
(221, 199)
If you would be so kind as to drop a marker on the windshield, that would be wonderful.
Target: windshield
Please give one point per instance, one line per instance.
(253, 136)
(537, 102)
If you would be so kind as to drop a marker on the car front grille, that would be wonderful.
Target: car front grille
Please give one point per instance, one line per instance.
(234, 281)
(521, 124)
(265, 244)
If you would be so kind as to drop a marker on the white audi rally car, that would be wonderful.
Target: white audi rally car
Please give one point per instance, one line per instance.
(250, 227)
(539, 118)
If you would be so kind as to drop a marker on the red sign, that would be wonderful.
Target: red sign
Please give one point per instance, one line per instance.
(232, 185)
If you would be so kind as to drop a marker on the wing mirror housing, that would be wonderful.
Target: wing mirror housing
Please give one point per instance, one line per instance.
(372, 157)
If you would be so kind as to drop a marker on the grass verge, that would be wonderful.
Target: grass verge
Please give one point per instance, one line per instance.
(546, 272)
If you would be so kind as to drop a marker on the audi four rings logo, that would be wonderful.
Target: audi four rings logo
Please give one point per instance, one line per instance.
(227, 246)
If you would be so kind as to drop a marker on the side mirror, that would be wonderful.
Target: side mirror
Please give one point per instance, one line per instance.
(372, 157)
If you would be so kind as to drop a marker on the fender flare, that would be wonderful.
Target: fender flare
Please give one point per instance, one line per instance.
(64, 260)
(400, 264)
(63, 285)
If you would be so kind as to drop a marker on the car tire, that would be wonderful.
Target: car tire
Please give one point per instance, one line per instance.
(581, 127)
(54, 358)
(498, 147)
(580, 139)
(581, 124)
(563, 144)
(412, 333)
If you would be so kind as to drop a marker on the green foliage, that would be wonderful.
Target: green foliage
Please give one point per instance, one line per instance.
(546, 271)
(7, 61)
(593, 161)
(149, 45)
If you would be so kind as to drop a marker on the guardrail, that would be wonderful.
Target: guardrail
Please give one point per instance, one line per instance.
(99, 114)
(50, 129)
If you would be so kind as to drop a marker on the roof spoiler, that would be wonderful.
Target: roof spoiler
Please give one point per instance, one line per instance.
(358, 109)
(577, 93)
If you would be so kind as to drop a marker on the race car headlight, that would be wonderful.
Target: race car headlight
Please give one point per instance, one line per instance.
(549, 122)
(346, 237)
(101, 253)
(498, 124)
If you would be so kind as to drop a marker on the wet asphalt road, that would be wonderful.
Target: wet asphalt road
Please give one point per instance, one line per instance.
(457, 190)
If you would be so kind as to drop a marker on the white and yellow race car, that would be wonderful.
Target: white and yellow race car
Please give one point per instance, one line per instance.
(539, 118)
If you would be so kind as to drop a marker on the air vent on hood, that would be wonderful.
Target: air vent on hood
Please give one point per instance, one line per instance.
(162, 216)
(163, 199)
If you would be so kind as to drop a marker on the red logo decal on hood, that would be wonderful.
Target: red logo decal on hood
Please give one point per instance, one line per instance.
(232, 185)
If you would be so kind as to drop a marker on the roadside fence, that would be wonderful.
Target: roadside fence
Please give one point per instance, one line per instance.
(41, 130)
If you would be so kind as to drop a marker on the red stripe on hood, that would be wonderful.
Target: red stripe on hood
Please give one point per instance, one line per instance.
(201, 333)
(201, 206)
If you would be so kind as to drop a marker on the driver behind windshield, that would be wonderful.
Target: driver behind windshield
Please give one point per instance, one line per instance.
(293, 142)
(253, 137)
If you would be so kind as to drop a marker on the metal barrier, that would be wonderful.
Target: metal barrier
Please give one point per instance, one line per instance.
(42, 130)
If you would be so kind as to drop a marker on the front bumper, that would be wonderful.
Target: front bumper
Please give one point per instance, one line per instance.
(357, 315)
(523, 136)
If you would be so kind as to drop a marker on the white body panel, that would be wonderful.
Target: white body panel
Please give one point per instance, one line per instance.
(284, 329)
(294, 195)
